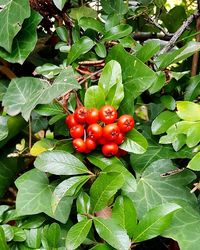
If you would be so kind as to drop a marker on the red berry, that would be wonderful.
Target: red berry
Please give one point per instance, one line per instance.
(110, 149)
(70, 121)
(102, 141)
(80, 114)
(120, 138)
(92, 116)
(108, 114)
(125, 123)
(90, 144)
(94, 131)
(111, 132)
(79, 145)
(121, 153)
(77, 131)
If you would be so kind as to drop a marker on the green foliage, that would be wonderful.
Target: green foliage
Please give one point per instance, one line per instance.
(55, 57)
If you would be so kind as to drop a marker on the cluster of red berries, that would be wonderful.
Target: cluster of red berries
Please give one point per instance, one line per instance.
(90, 127)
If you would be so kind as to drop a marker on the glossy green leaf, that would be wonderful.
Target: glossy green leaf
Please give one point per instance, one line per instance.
(3, 243)
(59, 162)
(100, 50)
(104, 187)
(148, 50)
(67, 187)
(19, 234)
(62, 33)
(168, 101)
(8, 232)
(158, 83)
(3, 209)
(77, 234)
(83, 203)
(194, 163)
(163, 121)
(25, 41)
(117, 7)
(168, 58)
(82, 46)
(113, 19)
(125, 214)
(59, 3)
(33, 238)
(3, 127)
(53, 235)
(101, 246)
(37, 199)
(112, 233)
(94, 97)
(154, 222)
(49, 109)
(117, 32)
(136, 76)
(188, 111)
(134, 142)
(42, 146)
(91, 23)
(48, 70)
(83, 11)
(11, 24)
(34, 221)
(193, 88)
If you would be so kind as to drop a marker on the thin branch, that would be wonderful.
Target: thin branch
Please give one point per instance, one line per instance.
(142, 36)
(179, 32)
(7, 72)
(157, 25)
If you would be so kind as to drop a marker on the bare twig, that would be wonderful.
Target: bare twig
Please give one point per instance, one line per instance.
(195, 58)
(7, 72)
(179, 32)
(142, 36)
(156, 24)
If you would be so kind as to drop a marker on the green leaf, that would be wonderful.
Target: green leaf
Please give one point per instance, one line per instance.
(156, 152)
(168, 101)
(11, 24)
(77, 234)
(116, 7)
(149, 49)
(163, 121)
(49, 109)
(3, 127)
(115, 95)
(19, 234)
(94, 97)
(33, 238)
(3, 88)
(91, 23)
(158, 84)
(25, 41)
(34, 196)
(188, 111)
(194, 163)
(82, 46)
(67, 187)
(3, 209)
(53, 235)
(82, 205)
(62, 33)
(3, 244)
(48, 70)
(136, 76)
(101, 246)
(117, 32)
(112, 20)
(125, 214)
(104, 187)
(42, 146)
(154, 222)
(112, 233)
(59, 162)
(83, 11)
(168, 58)
(59, 3)
(8, 232)
(193, 88)
(100, 50)
(134, 142)
(34, 221)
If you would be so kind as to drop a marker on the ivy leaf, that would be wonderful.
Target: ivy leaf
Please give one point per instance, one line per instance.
(82, 46)
(59, 162)
(188, 111)
(163, 121)
(94, 97)
(67, 187)
(11, 24)
(125, 214)
(134, 142)
(25, 40)
(154, 222)
(34, 196)
(104, 187)
(59, 3)
(77, 234)
(3, 127)
(136, 76)
(112, 233)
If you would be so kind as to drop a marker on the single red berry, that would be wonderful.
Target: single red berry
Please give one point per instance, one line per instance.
(80, 114)
(90, 144)
(79, 145)
(111, 132)
(125, 123)
(77, 131)
(94, 131)
(120, 138)
(92, 116)
(70, 121)
(110, 149)
(108, 114)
